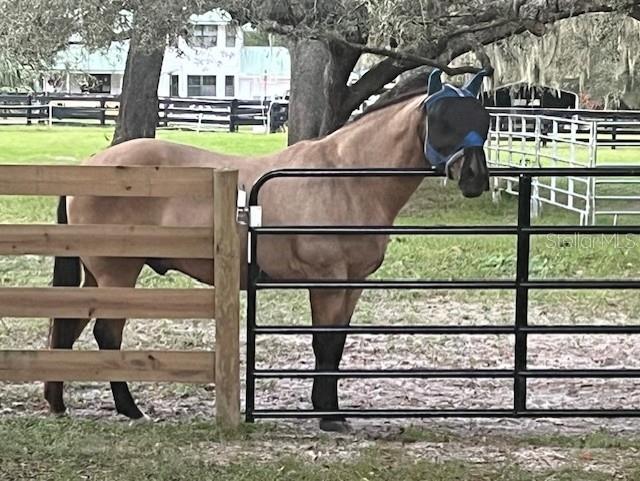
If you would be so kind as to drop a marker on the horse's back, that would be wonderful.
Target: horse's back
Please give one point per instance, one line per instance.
(155, 152)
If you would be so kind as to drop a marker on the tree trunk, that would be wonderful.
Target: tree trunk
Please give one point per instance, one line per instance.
(138, 113)
(319, 90)
(307, 101)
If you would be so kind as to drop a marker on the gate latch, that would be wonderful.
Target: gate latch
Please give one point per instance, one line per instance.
(242, 213)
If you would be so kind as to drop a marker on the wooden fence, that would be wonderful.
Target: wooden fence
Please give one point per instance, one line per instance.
(219, 366)
(228, 114)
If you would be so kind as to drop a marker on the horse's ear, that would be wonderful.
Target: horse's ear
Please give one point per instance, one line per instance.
(435, 83)
(473, 85)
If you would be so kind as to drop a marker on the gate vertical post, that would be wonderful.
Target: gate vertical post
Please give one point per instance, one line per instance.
(29, 102)
(252, 277)
(226, 252)
(522, 294)
(592, 194)
(103, 111)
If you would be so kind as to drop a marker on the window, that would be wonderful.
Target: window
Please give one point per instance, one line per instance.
(98, 83)
(201, 85)
(229, 86)
(231, 36)
(205, 36)
(174, 90)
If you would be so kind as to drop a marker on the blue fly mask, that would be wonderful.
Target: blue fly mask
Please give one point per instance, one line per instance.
(437, 92)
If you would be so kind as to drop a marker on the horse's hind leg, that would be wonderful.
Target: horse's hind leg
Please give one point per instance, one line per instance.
(108, 332)
(330, 308)
(63, 333)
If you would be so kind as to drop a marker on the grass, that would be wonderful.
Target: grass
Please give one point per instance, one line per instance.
(61, 449)
(68, 145)
(581, 153)
(599, 439)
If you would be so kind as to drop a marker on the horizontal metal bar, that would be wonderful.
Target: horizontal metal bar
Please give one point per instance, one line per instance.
(582, 329)
(617, 181)
(533, 116)
(581, 373)
(583, 180)
(447, 373)
(550, 202)
(568, 114)
(618, 197)
(360, 329)
(383, 413)
(386, 284)
(449, 330)
(444, 230)
(614, 171)
(401, 230)
(457, 284)
(386, 373)
(558, 190)
(582, 284)
(617, 212)
(587, 230)
(619, 143)
(447, 413)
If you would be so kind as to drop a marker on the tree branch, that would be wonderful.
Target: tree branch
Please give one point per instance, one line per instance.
(407, 58)
(373, 80)
(410, 60)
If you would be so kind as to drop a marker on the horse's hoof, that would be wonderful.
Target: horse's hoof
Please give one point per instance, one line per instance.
(132, 412)
(59, 413)
(144, 419)
(335, 426)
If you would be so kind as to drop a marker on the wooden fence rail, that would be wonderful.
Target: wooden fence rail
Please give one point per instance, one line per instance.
(102, 109)
(221, 303)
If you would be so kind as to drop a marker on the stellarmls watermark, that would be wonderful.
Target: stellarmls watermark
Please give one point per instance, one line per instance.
(593, 241)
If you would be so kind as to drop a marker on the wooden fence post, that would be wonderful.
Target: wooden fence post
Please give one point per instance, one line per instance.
(233, 115)
(29, 102)
(103, 111)
(227, 298)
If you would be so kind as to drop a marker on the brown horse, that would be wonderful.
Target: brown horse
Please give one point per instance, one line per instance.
(445, 128)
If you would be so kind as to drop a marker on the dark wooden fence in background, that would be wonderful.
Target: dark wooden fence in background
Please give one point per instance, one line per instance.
(172, 112)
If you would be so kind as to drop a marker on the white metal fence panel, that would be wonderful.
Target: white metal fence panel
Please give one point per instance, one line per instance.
(527, 140)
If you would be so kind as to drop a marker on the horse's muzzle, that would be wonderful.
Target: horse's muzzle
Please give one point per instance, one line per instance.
(473, 173)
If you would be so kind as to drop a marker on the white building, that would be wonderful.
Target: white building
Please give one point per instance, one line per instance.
(215, 63)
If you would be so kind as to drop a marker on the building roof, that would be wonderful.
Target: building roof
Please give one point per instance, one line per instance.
(272, 61)
(77, 58)
(217, 16)
(254, 61)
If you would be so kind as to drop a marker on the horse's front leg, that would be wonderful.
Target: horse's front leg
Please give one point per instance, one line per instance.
(330, 308)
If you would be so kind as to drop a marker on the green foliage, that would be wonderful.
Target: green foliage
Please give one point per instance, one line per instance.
(33, 32)
(595, 54)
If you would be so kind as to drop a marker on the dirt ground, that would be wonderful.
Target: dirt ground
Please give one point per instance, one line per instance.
(170, 402)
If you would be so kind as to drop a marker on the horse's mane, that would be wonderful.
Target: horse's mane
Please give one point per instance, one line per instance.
(390, 101)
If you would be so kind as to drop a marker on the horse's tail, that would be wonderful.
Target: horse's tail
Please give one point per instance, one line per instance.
(66, 270)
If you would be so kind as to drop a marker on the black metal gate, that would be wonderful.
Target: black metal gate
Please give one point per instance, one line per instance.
(521, 285)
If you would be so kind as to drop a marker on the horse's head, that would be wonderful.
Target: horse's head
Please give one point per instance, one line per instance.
(457, 127)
